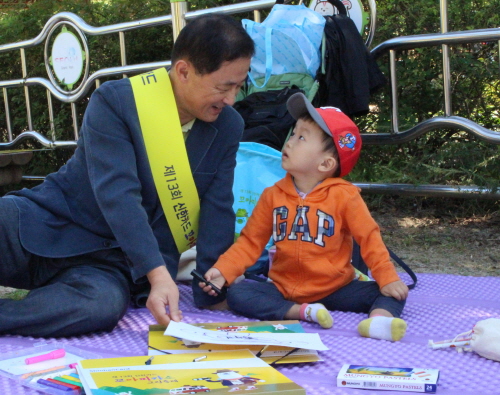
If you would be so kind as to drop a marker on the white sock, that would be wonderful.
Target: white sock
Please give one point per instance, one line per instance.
(316, 312)
(384, 328)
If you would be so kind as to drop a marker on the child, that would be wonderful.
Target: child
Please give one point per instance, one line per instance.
(313, 215)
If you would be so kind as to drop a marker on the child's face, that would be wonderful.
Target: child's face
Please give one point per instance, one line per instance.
(304, 152)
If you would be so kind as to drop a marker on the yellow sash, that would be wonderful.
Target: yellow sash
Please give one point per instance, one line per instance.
(161, 130)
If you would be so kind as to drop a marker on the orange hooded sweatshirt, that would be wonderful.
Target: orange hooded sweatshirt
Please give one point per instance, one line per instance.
(313, 238)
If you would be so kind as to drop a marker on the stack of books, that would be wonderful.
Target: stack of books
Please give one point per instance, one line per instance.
(187, 373)
(207, 358)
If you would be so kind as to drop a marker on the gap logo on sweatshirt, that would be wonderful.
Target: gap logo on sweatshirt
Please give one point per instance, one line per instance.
(325, 225)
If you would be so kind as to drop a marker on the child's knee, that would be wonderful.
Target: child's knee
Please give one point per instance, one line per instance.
(235, 296)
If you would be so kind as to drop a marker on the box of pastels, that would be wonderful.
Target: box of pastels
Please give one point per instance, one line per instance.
(46, 367)
(388, 378)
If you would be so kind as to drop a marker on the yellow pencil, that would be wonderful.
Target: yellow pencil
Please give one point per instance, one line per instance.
(65, 376)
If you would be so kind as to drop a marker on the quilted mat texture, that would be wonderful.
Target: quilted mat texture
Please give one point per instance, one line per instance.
(440, 307)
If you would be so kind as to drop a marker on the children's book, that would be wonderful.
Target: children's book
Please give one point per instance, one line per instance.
(159, 343)
(190, 373)
(388, 378)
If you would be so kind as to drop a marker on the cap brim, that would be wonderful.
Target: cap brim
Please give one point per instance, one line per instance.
(298, 106)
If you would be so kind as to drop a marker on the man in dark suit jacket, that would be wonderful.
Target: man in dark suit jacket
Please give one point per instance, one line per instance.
(94, 233)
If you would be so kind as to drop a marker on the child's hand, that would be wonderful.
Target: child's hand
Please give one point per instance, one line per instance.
(215, 277)
(398, 290)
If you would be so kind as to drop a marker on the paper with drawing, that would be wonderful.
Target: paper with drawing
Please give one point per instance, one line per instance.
(181, 330)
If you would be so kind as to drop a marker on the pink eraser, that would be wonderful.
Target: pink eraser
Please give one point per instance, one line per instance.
(51, 355)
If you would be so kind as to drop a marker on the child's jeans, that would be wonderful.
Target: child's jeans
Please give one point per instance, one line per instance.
(264, 301)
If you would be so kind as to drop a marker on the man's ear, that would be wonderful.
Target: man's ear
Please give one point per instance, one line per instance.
(329, 164)
(182, 69)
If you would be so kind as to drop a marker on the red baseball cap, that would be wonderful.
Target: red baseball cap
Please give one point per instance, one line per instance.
(334, 122)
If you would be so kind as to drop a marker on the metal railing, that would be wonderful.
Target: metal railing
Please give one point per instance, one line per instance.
(179, 17)
(89, 81)
(448, 121)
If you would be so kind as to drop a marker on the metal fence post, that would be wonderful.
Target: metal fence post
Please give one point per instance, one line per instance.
(446, 59)
(178, 10)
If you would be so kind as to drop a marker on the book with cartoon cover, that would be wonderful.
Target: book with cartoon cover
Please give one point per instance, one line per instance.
(190, 373)
(158, 343)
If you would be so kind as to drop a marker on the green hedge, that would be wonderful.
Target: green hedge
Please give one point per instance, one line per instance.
(441, 156)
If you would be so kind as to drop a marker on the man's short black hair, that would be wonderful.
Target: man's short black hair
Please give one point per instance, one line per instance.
(210, 40)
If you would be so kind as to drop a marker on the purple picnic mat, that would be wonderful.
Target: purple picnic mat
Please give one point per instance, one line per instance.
(440, 307)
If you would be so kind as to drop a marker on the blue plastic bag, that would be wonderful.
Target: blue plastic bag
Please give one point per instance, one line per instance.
(257, 167)
(288, 41)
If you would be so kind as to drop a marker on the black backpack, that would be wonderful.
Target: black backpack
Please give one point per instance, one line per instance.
(351, 73)
(267, 120)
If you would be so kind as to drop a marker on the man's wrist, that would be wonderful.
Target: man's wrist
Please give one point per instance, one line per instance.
(158, 274)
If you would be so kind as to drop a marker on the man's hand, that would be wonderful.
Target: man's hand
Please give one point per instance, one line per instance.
(215, 277)
(164, 292)
(398, 290)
